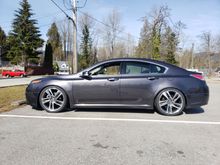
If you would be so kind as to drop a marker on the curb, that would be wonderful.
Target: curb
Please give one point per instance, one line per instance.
(19, 102)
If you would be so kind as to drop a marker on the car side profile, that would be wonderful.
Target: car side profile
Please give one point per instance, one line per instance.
(13, 73)
(122, 83)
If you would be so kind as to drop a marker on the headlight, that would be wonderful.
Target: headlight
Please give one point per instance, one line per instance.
(35, 81)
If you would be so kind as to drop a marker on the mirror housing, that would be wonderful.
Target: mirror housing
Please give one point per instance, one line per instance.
(85, 74)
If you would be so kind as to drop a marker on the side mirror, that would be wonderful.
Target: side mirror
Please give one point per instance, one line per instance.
(85, 74)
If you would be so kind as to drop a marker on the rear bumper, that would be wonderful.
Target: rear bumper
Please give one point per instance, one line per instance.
(197, 100)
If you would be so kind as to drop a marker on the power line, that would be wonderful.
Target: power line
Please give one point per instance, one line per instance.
(121, 31)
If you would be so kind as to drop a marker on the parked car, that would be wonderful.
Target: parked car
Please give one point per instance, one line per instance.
(122, 83)
(14, 73)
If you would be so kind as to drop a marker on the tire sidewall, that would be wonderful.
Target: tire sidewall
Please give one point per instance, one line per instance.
(167, 114)
(64, 96)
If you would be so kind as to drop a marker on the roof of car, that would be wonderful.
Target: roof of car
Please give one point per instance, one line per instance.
(139, 59)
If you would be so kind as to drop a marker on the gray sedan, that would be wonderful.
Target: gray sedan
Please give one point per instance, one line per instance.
(122, 83)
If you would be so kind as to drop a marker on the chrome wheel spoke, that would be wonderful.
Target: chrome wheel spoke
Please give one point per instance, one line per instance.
(50, 91)
(163, 103)
(45, 100)
(58, 94)
(50, 105)
(177, 105)
(169, 108)
(58, 103)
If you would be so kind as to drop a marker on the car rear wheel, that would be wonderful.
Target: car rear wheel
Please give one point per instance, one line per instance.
(170, 102)
(53, 99)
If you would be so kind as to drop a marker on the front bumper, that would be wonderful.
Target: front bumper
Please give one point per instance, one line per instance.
(31, 96)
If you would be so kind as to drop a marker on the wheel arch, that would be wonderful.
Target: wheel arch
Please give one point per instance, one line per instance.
(158, 92)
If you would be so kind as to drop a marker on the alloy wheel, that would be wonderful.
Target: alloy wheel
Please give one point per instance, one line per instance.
(170, 102)
(52, 99)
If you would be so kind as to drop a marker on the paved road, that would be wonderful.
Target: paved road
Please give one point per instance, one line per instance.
(5, 82)
(111, 137)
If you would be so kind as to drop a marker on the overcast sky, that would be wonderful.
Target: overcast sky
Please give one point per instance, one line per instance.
(198, 15)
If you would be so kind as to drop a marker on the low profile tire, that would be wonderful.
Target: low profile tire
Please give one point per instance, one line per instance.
(8, 76)
(170, 102)
(53, 99)
(21, 75)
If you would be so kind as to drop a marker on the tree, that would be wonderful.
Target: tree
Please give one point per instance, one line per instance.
(111, 31)
(144, 45)
(48, 56)
(24, 39)
(159, 16)
(88, 52)
(2, 37)
(171, 44)
(66, 34)
(207, 43)
(86, 47)
(55, 40)
(3, 46)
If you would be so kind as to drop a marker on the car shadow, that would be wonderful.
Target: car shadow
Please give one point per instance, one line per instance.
(113, 110)
(194, 110)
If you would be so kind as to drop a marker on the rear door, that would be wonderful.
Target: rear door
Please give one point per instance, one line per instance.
(139, 82)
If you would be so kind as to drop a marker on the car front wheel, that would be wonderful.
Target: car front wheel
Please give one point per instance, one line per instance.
(170, 102)
(53, 99)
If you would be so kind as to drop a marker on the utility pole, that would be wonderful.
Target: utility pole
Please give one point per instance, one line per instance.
(75, 57)
(192, 57)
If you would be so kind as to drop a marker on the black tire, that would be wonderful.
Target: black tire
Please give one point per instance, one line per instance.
(22, 75)
(169, 107)
(7, 75)
(62, 98)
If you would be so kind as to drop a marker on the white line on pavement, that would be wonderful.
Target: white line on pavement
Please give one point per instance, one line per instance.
(112, 119)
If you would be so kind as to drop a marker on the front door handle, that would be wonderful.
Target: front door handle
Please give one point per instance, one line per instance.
(152, 78)
(112, 79)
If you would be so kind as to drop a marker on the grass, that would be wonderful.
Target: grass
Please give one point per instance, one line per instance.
(10, 95)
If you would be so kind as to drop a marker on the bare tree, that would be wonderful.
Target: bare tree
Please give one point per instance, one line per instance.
(112, 30)
(207, 44)
(65, 29)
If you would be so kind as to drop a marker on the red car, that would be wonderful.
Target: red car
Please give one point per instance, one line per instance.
(14, 73)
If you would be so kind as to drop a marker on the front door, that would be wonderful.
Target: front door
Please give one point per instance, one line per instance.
(101, 87)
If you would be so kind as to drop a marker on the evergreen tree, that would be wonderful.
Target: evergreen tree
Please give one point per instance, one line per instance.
(144, 46)
(55, 40)
(171, 44)
(3, 46)
(2, 37)
(86, 48)
(24, 39)
(48, 56)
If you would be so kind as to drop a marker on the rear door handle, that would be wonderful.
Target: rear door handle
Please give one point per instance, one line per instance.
(112, 79)
(152, 78)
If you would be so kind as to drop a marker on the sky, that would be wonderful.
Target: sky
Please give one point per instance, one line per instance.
(198, 15)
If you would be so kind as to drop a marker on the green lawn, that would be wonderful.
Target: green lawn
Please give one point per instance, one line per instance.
(9, 95)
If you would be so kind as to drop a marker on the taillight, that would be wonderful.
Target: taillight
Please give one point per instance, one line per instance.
(198, 76)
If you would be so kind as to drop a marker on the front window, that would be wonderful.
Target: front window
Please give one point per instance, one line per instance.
(106, 69)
